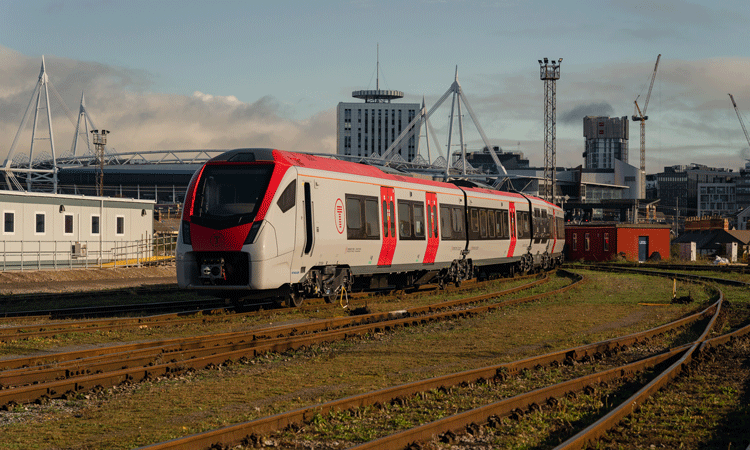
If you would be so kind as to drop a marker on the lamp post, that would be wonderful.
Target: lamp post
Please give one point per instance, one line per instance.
(100, 140)
(549, 72)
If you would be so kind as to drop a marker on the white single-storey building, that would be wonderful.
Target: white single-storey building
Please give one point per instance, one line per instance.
(41, 230)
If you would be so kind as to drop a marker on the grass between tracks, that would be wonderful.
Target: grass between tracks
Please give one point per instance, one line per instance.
(129, 416)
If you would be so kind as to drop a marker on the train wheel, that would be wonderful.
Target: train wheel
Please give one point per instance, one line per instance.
(294, 300)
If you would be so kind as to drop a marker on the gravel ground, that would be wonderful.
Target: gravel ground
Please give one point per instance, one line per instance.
(29, 281)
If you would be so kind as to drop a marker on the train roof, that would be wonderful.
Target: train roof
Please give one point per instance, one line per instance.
(347, 167)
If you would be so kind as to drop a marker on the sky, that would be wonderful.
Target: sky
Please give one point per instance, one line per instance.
(178, 75)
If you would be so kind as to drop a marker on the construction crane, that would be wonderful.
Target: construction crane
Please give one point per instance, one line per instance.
(739, 116)
(640, 116)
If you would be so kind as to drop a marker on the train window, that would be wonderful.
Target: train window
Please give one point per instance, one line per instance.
(483, 223)
(393, 219)
(353, 214)
(418, 211)
(458, 221)
(434, 215)
(372, 230)
(287, 198)
(404, 220)
(385, 218)
(445, 222)
(522, 222)
(362, 217)
(411, 220)
(560, 228)
(546, 225)
(502, 225)
(491, 224)
(474, 220)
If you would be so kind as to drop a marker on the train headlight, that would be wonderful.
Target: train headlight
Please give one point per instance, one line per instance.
(186, 232)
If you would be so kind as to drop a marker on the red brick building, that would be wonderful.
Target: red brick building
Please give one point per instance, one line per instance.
(602, 242)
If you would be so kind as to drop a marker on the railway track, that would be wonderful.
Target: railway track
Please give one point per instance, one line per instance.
(58, 375)
(41, 326)
(665, 365)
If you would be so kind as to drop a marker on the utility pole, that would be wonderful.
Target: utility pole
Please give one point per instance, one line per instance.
(100, 140)
(549, 72)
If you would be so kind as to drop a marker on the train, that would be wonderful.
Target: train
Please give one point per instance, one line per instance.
(260, 223)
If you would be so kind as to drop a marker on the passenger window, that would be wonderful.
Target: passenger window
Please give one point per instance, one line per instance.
(418, 221)
(491, 225)
(458, 223)
(474, 220)
(483, 224)
(445, 222)
(362, 217)
(404, 220)
(371, 218)
(353, 214)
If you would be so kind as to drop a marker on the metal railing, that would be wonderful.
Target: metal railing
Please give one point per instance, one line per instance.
(54, 255)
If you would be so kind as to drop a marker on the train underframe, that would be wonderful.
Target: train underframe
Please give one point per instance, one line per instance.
(334, 282)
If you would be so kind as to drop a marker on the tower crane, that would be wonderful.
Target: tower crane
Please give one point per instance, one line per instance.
(640, 116)
(742, 123)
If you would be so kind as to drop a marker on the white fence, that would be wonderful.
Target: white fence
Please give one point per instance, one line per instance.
(50, 255)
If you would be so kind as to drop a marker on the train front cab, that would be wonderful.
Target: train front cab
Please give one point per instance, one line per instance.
(238, 229)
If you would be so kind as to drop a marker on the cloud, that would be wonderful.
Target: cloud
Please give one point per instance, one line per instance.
(575, 116)
(119, 100)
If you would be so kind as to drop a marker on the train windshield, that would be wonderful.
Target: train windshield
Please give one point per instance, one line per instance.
(230, 195)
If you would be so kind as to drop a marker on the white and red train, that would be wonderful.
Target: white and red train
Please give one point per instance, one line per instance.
(260, 223)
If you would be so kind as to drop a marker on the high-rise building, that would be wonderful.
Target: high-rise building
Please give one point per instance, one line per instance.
(606, 140)
(369, 128)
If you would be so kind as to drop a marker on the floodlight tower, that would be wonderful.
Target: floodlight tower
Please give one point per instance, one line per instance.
(100, 140)
(549, 72)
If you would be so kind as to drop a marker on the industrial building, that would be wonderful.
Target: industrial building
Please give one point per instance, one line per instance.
(48, 230)
(604, 242)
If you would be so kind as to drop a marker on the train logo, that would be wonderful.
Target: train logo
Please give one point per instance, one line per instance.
(338, 211)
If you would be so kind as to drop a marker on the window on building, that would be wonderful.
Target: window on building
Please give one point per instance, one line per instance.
(94, 224)
(10, 222)
(574, 244)
(587, 242)
(606, 242)
(39, 223)
(68, 223)
(120, 225)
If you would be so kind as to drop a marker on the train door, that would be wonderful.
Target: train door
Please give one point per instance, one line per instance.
(512, 217)
(388, 209)
(552, 230)
(432, 228)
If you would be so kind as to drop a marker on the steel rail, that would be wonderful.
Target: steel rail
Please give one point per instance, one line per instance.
(38, 362)
(34, 330)
(235, 433)
(682, 276)
(524, 401)
(601, 426)
(206, 356)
